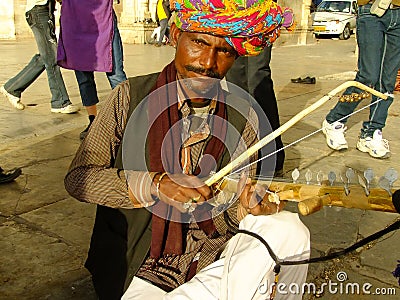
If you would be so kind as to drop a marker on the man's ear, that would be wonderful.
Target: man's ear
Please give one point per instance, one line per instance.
(175, 32)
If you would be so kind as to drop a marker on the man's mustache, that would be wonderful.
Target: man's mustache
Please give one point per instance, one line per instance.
(202, 71)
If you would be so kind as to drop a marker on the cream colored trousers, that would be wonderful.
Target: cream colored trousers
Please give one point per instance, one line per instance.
(245, 270)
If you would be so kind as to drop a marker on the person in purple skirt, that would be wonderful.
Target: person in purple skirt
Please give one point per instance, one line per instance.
(90, 41)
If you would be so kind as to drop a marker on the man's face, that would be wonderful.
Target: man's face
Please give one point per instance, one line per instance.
(199, 57)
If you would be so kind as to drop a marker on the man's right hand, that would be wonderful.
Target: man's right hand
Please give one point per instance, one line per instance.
(178, 189)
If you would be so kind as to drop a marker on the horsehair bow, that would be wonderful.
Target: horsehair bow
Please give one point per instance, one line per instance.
(270, 137)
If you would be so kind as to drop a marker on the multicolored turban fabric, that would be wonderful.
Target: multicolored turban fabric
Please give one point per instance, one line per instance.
(247, 25)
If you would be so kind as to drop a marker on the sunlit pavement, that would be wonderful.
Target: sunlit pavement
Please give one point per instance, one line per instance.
(45, 233)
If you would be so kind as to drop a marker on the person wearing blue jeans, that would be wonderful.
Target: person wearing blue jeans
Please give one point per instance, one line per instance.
(378, 41)
(87, 84)
(40, 17)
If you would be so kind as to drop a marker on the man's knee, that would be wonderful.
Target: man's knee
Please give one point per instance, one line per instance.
(284, 228)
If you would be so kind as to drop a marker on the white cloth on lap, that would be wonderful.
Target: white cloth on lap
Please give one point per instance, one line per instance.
(245, 270)
(141, 289)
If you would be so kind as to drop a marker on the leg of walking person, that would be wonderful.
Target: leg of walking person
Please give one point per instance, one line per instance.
(369, 40)
(253, 74)
(163, 25)
(88, 92)
(15, 86)
(371, 137)
(379, 59)
(43, 31)
(390, 63)
(261, 87)
(118, 74)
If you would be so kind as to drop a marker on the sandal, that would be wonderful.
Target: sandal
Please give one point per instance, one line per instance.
(306, 80)
(6, 177)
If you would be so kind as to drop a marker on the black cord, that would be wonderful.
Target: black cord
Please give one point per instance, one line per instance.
(368, 239)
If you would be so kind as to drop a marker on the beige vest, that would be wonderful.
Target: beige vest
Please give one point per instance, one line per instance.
(363, 2)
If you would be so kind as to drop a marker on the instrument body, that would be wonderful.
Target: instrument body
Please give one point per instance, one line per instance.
(311, 198)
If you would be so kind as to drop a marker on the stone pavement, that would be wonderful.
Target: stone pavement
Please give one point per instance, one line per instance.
(45, 233)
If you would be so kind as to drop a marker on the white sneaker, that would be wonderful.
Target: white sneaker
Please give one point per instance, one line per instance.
(334, 134)
(69, 109)
(376, 146)
(15, 101)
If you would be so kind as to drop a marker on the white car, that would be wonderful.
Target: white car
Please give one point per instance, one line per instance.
(335, 17)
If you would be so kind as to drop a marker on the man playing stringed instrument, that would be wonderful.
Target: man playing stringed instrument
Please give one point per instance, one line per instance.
(159, 229)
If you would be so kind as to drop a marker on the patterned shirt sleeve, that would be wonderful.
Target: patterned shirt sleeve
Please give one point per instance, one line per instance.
(91, 176)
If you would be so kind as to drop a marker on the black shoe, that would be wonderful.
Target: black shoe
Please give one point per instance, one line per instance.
(296, 80)
(6, 177)
(306, 80)
(84, 133)
(309, 80)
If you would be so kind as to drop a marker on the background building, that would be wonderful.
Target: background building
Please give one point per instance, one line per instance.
(135, 20)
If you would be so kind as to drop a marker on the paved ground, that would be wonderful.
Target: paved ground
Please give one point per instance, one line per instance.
(45, 233)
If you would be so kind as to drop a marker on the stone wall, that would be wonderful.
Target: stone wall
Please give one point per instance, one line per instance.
(22, 29)
(133, 24)
(7, 27)
(302, 33)
(13, 24)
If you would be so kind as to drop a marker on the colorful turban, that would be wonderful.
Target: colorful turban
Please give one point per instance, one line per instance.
(247, 25)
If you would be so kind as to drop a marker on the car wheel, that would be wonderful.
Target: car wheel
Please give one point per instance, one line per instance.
(316, 35)
(345, 35)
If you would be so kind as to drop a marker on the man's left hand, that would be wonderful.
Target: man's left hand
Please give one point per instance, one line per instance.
(254, 199)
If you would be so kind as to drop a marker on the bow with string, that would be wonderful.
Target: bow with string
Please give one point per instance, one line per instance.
(229, 169)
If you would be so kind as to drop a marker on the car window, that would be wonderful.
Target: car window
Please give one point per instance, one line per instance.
(334, 6)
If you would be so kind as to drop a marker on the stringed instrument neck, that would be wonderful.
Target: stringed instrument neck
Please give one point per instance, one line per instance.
(312, 197)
